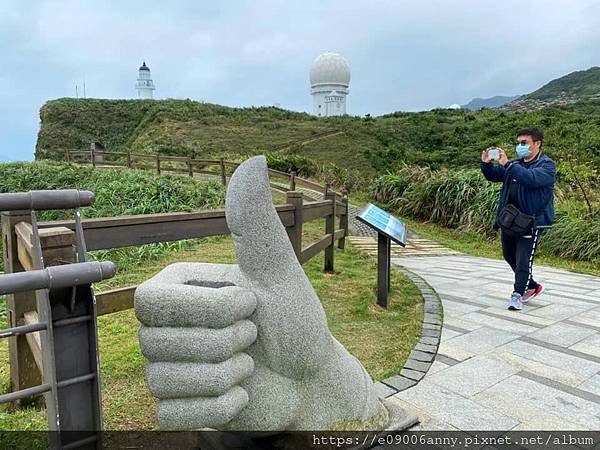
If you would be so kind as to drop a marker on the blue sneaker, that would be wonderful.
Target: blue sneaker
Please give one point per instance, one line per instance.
(515, 303)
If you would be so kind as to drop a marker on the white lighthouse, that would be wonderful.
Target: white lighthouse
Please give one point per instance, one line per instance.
(329, 82)
(144, 84)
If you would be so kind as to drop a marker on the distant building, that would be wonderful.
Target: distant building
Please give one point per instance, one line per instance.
(329, 82)
(144, 84)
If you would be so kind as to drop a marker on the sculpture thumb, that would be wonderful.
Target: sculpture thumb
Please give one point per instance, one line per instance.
(262, 245)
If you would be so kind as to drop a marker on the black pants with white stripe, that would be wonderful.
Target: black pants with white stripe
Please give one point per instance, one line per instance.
(518, 252)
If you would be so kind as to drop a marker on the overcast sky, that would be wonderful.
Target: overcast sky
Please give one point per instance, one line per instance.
(404, 55)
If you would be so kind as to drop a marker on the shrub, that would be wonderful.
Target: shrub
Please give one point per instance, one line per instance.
(463, 199)
(287, 163)
(339, 177)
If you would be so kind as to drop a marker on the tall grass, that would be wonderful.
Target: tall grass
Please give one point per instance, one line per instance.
(464, 200)
(118, 192)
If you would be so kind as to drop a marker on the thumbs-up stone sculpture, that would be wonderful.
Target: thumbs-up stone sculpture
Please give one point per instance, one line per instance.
(247, 347)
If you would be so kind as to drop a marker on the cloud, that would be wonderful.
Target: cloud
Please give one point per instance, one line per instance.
(404, 55)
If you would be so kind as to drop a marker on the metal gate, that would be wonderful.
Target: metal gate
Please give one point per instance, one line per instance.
(65, 326)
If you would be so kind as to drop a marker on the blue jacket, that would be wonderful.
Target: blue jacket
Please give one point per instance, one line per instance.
(534, 184)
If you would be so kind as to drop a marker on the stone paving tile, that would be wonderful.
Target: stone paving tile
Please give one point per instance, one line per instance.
(592, 384)
(483, 301)
(474, 375)
(449, 334)
(520, 317)
(501, 324)
(454, 409)
(458, 309)
(528, 401)
(523, 316)
(559, 312)
(549, 299)
(447, 349)
(562, 334)
(426, 421)
(547, 423)
(446, 360)
(436, 367)
(572, 288)
(588, 317)
(574, 296)
(589, 345)
(551, 357)
(562, 375)
(572, 408)
(481, 340)
(460, 322)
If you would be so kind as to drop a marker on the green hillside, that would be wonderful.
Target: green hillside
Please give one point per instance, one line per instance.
(583, 83)
(437, 138)
(572, 88)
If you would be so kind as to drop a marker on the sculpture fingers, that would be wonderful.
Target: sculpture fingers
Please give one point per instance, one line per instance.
(169, 344)
(202, 412)
(162, 302)
(180, 380)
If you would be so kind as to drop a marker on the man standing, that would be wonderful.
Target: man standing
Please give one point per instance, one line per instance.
(527, 192)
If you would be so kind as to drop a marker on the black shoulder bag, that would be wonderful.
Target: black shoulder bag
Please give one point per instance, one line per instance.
(512, 220)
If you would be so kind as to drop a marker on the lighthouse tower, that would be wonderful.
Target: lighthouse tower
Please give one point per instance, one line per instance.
(144, 84)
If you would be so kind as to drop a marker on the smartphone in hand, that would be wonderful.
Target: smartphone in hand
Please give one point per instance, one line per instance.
(494, 153)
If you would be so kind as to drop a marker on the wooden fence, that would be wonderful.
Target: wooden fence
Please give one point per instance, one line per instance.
(218, 168)
(57, 240)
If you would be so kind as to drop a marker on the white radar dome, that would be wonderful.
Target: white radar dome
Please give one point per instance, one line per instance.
(330, 68)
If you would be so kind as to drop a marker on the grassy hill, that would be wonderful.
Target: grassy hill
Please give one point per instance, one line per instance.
(571, 88)
(184, 127)
(437, 138)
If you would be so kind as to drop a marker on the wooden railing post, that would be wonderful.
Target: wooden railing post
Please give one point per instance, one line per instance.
(68, 156)
(223, 175)
(58, 247)
(293, 180)
(344, 219)
(23, 369)
(158, 163)
(330, 229)
(93, 156)
(129, 159)
(189, 165)
(295, 232)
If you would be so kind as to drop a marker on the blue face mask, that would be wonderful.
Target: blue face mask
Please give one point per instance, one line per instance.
(522, 150)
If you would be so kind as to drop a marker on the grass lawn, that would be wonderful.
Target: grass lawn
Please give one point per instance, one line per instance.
(380, 339)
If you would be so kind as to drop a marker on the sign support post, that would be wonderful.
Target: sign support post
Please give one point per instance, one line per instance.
(388, 229)
(383, 269)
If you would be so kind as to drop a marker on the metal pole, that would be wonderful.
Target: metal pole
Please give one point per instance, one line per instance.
(383, 265)
(46, 200)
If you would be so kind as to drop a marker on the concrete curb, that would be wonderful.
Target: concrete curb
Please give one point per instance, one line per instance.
(423, 354)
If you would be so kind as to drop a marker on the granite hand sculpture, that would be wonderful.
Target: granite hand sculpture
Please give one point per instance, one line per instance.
(247, 347)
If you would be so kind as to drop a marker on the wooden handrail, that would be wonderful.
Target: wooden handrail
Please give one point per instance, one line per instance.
(293, 180)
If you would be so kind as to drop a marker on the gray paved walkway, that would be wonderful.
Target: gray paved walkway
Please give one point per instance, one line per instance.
(534, 369)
